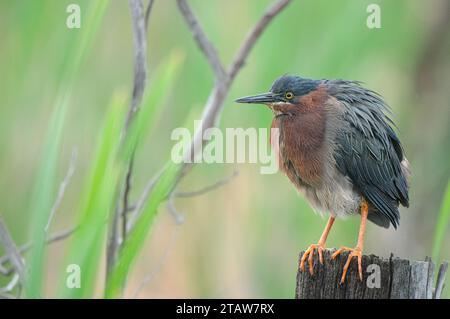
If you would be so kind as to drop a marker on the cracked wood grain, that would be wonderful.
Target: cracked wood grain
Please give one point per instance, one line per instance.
(399, 279)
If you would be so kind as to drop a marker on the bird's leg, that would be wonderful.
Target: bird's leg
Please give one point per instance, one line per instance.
(320, 246)
(357, 251)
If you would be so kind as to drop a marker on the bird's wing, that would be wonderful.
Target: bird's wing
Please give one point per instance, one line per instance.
(369, 152)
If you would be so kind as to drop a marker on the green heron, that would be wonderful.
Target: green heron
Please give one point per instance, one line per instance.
(336, 144)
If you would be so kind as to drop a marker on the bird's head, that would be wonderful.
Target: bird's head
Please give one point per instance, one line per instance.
(286, 94)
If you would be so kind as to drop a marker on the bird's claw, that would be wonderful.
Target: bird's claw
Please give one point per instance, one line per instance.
(309, 253)
(354, 252)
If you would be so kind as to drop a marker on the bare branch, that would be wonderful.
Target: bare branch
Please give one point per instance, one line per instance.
(214, 104)
(215, 101)
(14, 255)
(131, 207)
(147, 12)
(61, 235)
(136, 209)
(210, 116)
(140, 56)
(203, 42)
(139, 18)
(126, 195)
(254, 34)
(179, 218)
(63, 186)
(134, 214)
(10, 285)
(113, 243)
(4, 271)
(208, 188)
(12, 251)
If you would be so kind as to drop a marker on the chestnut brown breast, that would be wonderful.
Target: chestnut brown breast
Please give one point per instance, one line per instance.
(301, 143)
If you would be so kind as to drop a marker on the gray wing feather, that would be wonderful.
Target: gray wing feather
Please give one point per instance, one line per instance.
(369, 152)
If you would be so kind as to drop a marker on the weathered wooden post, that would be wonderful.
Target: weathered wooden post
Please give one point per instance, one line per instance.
(392, 278)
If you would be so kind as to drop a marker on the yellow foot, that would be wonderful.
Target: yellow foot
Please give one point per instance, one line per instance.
(354, 252)
(309, 253)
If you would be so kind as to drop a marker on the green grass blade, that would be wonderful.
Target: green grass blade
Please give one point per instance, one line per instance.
(97, 204)
(163, 80)
(137, 236)
(101, 191)
(442, 224)
(80, 48)
(42, 200)
(44, 190)
(164, 77)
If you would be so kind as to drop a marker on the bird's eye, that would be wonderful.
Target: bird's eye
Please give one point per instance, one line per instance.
(289, 95)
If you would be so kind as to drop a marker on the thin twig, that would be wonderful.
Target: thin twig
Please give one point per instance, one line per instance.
(63, 186)
(136, 209)
(139, 16)
(140, 56)
(140, 21)
(203, 42)
(10, 285)
(113, 243)
(147, 12)
(4, 271)
(214, 104)
(208, 188)
(13, 254)
(178, 216)
(57, 236)
(126, 195)
(12, 251)
(135, 213)
(253, 35)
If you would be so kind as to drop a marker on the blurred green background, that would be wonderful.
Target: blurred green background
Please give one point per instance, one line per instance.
(243, 239)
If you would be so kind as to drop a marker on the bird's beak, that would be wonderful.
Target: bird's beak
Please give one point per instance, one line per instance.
(264, 98)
